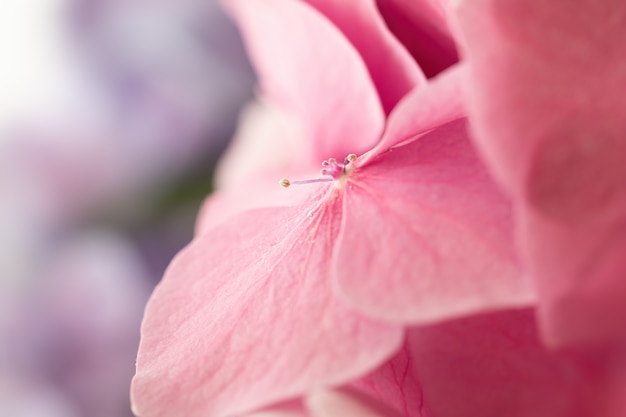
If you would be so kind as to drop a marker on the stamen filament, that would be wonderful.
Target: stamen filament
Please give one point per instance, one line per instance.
(286, 183)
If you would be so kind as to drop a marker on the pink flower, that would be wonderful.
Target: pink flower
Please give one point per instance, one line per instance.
(274, 302)
(363, 52)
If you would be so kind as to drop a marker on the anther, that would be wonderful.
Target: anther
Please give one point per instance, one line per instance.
(347, 160)
(284, 183)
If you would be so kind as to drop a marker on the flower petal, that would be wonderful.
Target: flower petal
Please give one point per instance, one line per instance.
(244, 317)
(426, 235)
(293, 408)
(395, 385)
(392, 68)
(423, 29)
(580, 274)
(308, 67)
(438, 102)
(551, 123)
(483, 365)
(541, 71)
(266, 139)
(256, 191)
(493, 365)
(264, 150)
(345, 402)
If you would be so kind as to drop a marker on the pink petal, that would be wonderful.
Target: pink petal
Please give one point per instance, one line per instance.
(265, 149)
(550, 120)
(259, 190)
(292, 408)
(426, 235)
(341, 403)
(541, 71)
(580, 272)
(604, 373)
(493, 365)
(484, 365)
(278, 413)
(245, 318)
(266, 139)
(308, 67)
(391, 67)
(438, 102)
(423, 29)
(395, 385)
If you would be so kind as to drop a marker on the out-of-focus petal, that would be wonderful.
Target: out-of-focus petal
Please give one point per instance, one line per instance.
(391, 67)
(492, 365)
(551, 123)
(580, 272)
(422, 26)
(266, 148)
(604, 373)
(341, 403)
(256, 191)
(232, 331)
(427, 217)
(309, 68)
(292, 408)
(266, 139)
(396, 386)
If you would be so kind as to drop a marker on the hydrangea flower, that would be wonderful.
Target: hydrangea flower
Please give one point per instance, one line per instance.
(406, 227)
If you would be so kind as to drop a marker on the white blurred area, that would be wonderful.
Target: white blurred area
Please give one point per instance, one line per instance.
(35, 59)
(105, 106)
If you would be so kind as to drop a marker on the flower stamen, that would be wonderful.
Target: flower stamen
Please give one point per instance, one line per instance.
(330, 168)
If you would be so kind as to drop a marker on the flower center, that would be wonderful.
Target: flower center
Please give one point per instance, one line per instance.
(331, 170)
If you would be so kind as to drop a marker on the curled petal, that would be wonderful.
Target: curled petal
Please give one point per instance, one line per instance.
(438, 102)
(392, 69)
(422, 26)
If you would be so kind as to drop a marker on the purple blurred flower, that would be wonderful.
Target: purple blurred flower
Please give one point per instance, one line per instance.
(75, 330)
(101, 100)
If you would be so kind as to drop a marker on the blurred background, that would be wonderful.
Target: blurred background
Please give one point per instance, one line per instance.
(112, 116)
